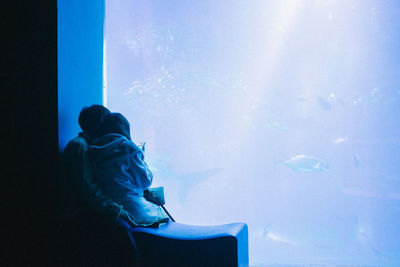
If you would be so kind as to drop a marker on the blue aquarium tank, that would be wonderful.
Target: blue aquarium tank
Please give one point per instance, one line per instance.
(281, 114)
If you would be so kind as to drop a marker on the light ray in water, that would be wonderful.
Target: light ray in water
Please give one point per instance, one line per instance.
(285, 15)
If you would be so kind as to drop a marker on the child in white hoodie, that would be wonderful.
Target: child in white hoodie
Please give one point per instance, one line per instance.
(121, 172)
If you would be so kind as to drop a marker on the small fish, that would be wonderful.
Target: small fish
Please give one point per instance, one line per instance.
(266, 230)
(189, 180)
(161, 166)
(304, 163)
(304, 99)
(358, 101)
(324, 104)
(356, 160)
(331, 97)
(275, 125)
(340, 140)
(279, 126)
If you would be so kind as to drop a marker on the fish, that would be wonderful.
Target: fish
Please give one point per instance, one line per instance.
(324, 104)
(305, 163)
(375, 95)
(265, 230)
(275, 125)
(356, 160)
(189, 180)
(358, 101)
(331, 97)
(280, 126)
(161, 167)
(340, 140)
(302, 98)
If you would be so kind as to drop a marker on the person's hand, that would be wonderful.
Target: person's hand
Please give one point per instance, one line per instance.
(142, 146)
(149, 196)
(155, 195)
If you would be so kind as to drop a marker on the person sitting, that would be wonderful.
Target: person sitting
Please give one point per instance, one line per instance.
(87, 215)
(121, 172)
(79, 192)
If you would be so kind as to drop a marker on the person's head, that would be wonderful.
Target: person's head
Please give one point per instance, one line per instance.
(90, 119)
(116, 123)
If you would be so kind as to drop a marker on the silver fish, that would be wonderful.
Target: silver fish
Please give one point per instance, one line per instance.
(304, 163)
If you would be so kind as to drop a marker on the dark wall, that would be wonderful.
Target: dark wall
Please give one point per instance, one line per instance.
(29, 79)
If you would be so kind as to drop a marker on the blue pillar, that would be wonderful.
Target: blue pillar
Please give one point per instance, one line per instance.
(80, 61)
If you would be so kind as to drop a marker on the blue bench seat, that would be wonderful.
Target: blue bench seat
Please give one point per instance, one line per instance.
(176, 244)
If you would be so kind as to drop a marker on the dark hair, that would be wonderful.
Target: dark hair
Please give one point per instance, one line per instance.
(116, 123)
(90, 119)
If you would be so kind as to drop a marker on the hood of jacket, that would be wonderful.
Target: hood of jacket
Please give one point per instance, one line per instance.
(111, 146)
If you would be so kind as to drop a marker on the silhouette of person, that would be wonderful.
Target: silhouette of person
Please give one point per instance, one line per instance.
(87, 213)
(80, 192)
(121, 172)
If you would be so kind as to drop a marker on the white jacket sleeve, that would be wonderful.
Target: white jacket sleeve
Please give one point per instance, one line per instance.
(140, 171)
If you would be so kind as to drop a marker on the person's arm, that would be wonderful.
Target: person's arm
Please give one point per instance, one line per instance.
(141, 172)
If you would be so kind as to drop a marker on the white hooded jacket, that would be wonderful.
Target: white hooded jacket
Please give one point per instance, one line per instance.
(122, 174)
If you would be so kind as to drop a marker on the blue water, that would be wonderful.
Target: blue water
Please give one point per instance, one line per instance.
(281, 114)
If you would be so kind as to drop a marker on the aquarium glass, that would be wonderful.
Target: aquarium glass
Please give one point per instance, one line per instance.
(280, 114)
